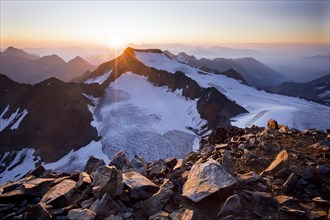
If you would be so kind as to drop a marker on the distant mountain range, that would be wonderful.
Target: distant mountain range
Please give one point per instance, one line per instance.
(317, 90)
(254, 72)
(28, 68)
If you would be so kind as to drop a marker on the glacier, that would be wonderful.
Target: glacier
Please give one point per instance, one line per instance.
(146, 120)
(294, 112)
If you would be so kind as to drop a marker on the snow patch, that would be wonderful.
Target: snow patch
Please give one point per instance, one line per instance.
(324, 94)
(20, 118)
(92, 108)
(99, 79)
(23, 162)
(76, 160)
(6, 122)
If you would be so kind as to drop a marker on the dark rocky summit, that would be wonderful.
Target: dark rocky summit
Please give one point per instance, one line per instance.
(252, 173)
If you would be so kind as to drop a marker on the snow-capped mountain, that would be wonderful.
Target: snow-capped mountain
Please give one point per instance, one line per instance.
(254, 72)
(143, 102)
(123, 104)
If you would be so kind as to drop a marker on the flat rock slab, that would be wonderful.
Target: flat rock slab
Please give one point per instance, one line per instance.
(139, 186)
(205, 179)
(279, 166)
(60, 194)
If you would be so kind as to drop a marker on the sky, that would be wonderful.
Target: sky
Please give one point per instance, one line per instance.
(102, 23)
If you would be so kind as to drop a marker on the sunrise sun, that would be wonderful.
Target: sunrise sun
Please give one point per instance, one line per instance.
(116, 42)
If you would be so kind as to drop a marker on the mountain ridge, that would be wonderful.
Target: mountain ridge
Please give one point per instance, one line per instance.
(27, 68)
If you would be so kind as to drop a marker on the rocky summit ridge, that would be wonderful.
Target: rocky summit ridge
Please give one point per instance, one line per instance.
(252, 173)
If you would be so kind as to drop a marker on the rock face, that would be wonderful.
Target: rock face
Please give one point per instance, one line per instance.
(139, 186)
(206, 179)
(60, 194)
(107, 179)
(232, 206)
(158, 201)
(280, 165)
(194, 187)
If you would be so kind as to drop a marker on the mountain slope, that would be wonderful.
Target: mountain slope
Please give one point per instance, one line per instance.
(143, 102)
(121, 104)
(317, 90)
(261, 105)
(27, 68)
(57, 118)
(254, 72)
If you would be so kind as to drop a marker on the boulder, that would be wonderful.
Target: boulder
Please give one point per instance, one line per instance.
(227, 163)
(93, 164)
(60, 194)
(232, 206)
(248, 177)
(38, 186)
(83, 181)
(81, 214)
(87, 203)
(272, 124)
(279, 166)
(283, 129)
(104, 207)
(107, 179)
(179, 165)
(37, 212)
(139, 186)
(158, 201)
(206, 179)
(139, 165)
(171, 162)
(120, 160)
(157, 168)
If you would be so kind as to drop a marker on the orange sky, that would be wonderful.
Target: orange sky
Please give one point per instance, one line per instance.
(62, 24)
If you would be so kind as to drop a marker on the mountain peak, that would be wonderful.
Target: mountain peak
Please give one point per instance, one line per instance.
(77, 59)
(15, 52)
(54, 59)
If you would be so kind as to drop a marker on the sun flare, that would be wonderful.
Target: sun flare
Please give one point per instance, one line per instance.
(116, 43)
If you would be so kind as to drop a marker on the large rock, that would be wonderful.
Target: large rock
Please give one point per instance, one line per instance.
(60, 194)
(272, 124)
(279, 166)
(104, 207)
(158, 201)
(38, 187)
(139, 186)
(120, 160)
(83, 181)
(140, 165)
(93, 164)
(227, 163)
(205, 179)
(157, 168)
(107, 179)
(232, 206)
(81, 214)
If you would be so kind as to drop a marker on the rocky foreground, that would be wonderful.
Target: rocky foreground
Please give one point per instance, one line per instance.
(252, 173)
